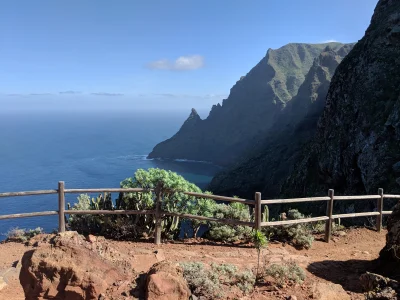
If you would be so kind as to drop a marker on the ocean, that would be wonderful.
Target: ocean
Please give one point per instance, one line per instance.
(86, 150)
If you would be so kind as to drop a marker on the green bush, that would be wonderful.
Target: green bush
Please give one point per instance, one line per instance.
(87, 223)
(319, 227)
(299, 235)
(226, 272)
(230, 233)
(201, 281)
(245, 281)
(202, 207)
(282, 273)
(172, 187)
(212, 282)
(22, 235)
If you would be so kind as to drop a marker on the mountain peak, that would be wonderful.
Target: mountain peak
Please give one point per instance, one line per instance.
(192, 119)
(193, 113)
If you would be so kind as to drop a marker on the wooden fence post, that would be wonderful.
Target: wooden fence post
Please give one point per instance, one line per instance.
(257, 211)
(157, 234)
(61, 206)
(379, 208)
(329, 213)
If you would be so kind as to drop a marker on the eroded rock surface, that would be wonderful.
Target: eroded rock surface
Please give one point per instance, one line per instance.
(165, 282)
(379, 287)
(357, 144)
(66, 266)
(329, 291)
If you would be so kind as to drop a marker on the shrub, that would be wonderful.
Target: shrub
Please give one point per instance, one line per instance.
(245, 281)
(210, 282)
(230, 233)
(202, 207)
(87, 223)
(289, 271)
(201, 282)
(226, 272)
(299, 235)
(319, 227)
(172, 187)
(22, 235)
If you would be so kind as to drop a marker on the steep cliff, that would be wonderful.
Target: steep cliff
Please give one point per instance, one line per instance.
(250, 110)
(267, 167)
(357, 144)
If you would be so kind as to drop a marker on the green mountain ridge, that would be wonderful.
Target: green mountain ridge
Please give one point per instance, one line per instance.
(356, 149)
(266, 168)
(248, 113)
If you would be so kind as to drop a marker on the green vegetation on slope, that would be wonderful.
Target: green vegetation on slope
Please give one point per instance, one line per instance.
(266, 167)
(357, 142)
(254, 102)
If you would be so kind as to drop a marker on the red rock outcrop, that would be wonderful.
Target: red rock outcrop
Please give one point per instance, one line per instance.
(165, 282)
(67, 266)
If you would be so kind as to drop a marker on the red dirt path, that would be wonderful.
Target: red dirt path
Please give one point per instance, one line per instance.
(342, 261)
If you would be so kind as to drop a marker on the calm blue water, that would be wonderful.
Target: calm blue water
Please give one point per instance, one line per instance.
(84, 150)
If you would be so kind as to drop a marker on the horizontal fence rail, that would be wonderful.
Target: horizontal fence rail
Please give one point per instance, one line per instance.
(391, 196)
(297, 221)
(27, 215)
(365, 197)
(295, 200)
(355, 215)
(220, 198)
(106, 190)
(29, 193)
(158, 213)
(196, 217)
(108, 212)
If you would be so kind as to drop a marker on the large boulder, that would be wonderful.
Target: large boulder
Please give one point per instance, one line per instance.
(391, 252)
(329, 291)
(379, 287)
(66, 266)
(165, 282)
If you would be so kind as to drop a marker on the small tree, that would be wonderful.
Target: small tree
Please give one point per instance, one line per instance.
(260, 241)
(172, 187)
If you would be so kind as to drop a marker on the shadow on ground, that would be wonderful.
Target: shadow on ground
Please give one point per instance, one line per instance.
(346, 273)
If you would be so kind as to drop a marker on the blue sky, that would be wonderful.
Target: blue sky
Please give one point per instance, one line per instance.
(167, 53)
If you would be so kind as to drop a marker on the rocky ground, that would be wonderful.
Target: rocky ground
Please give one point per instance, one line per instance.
(333, 270)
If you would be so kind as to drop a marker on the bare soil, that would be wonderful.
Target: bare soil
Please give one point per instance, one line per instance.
(341, 261)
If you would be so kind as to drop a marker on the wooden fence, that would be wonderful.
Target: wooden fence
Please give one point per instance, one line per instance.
(257, 203)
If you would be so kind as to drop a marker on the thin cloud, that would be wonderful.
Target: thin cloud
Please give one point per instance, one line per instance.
(329, 41)
(107, 94)
(70, 93)
(216, 96)
(167, 95)
(183, 96)
(15, 95)
(182, 63)
(40, 94)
